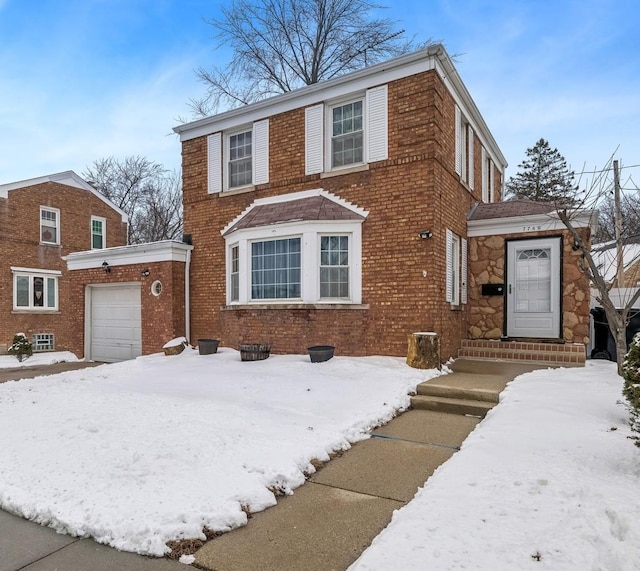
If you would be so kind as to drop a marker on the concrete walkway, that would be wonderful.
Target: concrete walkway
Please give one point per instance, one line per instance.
(327, 523)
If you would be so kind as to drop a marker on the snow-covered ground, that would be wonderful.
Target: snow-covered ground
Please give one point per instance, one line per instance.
(47, 358)
(134, 454)
(549, 480)
(138, 453)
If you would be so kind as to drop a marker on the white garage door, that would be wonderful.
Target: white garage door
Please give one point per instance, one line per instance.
(115, 323)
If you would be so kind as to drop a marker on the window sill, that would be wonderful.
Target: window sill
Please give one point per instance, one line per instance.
(240, 190)
(290, 306)
(346, 170)
(456, 307)
(37, 311)
(51, 244)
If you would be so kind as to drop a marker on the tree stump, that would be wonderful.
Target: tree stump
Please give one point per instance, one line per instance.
(423, 351)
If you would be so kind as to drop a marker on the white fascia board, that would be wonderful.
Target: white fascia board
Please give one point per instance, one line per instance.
(294, 228)
(397, 68)
(68, 178)
(278, 199)
(526, 224)
(164, 251)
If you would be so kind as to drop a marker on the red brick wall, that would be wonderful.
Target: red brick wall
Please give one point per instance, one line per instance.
(163, 316)
(20, 246)
(415, 189)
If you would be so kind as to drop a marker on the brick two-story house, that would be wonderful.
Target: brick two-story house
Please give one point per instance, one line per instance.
(338, 214)
(41, 220)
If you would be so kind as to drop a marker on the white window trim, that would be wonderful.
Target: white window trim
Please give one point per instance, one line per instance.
(226, 154)
(57, 212)
(31, 273)
(309, 233)
(328, 129)
(319, 253)
(104, 231)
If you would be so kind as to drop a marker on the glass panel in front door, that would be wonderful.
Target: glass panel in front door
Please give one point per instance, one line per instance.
(533, 281)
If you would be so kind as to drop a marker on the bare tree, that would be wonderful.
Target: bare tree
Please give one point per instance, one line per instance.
(630, 206)
(281, 45)
(150, 195)
(616, 300)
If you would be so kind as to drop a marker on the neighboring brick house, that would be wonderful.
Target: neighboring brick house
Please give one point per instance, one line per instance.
(337, 214)
(41, 220)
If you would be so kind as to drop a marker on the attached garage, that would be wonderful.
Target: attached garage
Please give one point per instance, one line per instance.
(114, 328)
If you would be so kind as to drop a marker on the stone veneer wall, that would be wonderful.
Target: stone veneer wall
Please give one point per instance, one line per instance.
(487, 266)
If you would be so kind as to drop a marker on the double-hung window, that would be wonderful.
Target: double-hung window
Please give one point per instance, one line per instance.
(49, 225)
(456, 269)
(347, 134)
(240, 153)
(35, 290)
(98, 232)
(334, 267)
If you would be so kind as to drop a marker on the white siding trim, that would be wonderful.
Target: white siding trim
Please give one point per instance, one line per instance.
(463, 271)
(458, 129)
(313, 139)
(376, 132)
(449, 269)
(261, 152)
(214, 163)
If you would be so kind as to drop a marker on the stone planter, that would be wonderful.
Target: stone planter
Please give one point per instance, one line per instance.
(254, 351)
(320, 353)
(208, 346)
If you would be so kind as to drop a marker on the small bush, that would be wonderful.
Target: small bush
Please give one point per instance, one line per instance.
(631, 390)
(21, 347)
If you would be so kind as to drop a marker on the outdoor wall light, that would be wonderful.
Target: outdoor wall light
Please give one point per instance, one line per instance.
(144, 273)
(424, 234)
(105, 268)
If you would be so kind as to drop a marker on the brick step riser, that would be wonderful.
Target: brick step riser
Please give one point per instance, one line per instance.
(546, 358)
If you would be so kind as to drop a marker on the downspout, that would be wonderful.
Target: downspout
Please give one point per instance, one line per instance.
(187, 304)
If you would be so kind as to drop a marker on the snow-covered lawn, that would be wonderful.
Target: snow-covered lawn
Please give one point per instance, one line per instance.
(137, 453)
(10, 362)
(549, 480)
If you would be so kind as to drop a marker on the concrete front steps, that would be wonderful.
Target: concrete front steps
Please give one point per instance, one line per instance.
(551, 354)
(472, 389)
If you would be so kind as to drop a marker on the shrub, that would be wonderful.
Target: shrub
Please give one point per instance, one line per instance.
(631, 390)
(21, 347)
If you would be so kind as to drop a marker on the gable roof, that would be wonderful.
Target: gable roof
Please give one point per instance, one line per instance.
(433, 57)
(68, 178)
(605, 257)
(302, 206)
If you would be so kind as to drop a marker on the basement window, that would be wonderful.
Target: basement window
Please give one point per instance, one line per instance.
(42, 342)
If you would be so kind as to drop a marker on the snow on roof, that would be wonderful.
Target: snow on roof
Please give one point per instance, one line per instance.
(604, 255)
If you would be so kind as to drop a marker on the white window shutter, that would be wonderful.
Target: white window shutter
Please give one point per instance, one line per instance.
(313, 122)
(214, 163)
(458, 141)
(449, 280)
(261, 152)
(463, 271)
(471, 165)
(490, 178)
(377, 131)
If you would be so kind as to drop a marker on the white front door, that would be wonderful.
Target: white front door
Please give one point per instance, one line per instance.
(533, 288)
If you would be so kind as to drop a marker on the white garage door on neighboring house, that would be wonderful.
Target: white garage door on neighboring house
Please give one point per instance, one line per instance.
(114, 323)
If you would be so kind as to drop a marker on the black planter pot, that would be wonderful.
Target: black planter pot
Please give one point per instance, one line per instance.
(321, 353)
(208, 346)
(254, 351)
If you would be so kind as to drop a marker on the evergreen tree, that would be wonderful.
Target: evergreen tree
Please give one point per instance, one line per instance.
(544, 177)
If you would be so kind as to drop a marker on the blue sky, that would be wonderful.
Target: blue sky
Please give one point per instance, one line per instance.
(85, 79)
